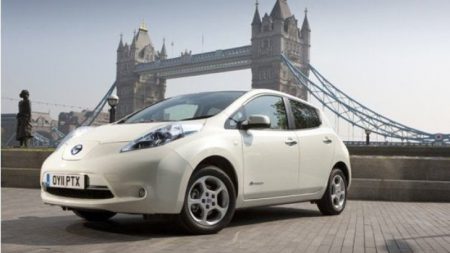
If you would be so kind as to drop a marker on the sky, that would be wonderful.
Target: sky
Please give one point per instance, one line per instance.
(393, 56)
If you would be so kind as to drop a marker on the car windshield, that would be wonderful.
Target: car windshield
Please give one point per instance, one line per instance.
(186, 107)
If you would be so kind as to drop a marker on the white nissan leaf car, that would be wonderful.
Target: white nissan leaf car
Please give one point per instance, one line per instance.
(199, 157)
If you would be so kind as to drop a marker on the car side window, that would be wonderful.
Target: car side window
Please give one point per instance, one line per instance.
(305, 116)
(270, 106)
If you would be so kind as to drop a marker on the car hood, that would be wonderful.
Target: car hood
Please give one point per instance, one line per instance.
(124, 132)
(78, 147)
(118, 132)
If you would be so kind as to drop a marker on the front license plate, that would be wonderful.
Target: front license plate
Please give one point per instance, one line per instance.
(65, 181)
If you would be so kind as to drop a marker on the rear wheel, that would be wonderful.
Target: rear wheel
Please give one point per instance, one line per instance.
(209, 202)
(94, 215)
(335, 197)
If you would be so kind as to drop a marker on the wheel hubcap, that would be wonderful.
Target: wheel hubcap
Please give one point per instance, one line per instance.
(338, 192)
(208, 200)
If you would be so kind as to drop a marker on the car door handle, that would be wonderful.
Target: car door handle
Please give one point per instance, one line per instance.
(290, 142)
(327, 140)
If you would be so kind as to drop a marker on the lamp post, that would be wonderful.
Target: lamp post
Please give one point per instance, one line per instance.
(368, 136)
(113, 100)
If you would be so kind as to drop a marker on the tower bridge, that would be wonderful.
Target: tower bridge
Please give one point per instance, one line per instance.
(142, 71)
(279, 58)
(199, 64)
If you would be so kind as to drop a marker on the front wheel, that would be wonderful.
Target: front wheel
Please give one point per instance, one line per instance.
(209, 202)
(335, 197)
(94, 215)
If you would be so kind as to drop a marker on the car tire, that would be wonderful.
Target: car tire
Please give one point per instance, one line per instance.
(335, 197)
(94, 215)
(209, 202)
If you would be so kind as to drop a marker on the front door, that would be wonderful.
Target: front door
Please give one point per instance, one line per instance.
(270, 156)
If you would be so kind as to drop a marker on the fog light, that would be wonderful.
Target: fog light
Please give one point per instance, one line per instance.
(141, 192)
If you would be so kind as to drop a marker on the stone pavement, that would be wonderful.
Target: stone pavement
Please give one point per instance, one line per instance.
(365, 226)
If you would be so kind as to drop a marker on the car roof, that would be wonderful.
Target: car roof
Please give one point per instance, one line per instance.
(254, 92)
(246, 94)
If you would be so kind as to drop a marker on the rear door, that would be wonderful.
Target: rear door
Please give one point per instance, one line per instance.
(315, 145)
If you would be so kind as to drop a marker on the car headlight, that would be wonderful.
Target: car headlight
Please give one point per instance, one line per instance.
(162, 136)
(75, 133)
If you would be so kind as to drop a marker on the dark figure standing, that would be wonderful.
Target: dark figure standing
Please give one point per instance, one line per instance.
(23, 132)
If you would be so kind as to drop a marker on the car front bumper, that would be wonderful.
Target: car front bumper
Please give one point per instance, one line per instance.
(115, 180)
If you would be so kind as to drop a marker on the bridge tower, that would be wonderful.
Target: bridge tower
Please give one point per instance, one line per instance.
(272, 35)
(137, 90)
(275, 34)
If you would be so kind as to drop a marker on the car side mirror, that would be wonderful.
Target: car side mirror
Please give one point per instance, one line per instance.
(256, 121)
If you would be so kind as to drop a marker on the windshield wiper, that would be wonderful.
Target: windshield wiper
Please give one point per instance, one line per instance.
(144, 121)
(199, 117)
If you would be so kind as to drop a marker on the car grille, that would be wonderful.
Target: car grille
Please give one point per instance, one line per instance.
(80, 194)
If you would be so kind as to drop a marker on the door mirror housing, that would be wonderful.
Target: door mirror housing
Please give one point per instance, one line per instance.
(256, 121)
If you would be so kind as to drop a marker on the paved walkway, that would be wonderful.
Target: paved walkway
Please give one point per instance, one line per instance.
(365, 226)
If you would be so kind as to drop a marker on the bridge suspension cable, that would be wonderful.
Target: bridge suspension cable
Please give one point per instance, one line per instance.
(46, 103)
(357, 114)
(90, 119)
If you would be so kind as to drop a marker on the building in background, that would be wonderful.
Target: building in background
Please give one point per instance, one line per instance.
(43, 126)
(46, 130)
(271, 35)
(137, 91)
(9, 124)
(68, 121)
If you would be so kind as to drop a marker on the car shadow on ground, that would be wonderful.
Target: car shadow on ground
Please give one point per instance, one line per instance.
(64, 230)
(258, 215)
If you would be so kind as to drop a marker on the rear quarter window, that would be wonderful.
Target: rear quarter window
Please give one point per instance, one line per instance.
(304, 115)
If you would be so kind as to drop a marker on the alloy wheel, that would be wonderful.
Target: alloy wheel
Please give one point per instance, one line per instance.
(338, 192)
(208, 200)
